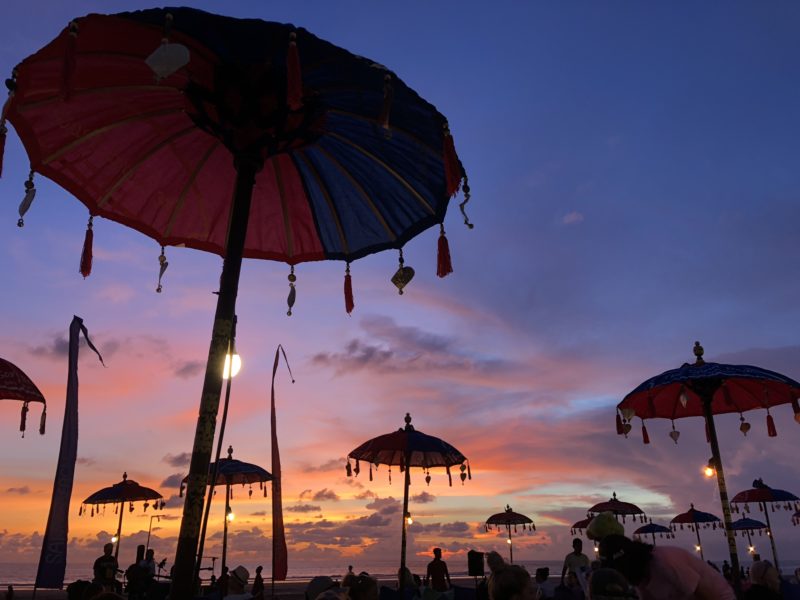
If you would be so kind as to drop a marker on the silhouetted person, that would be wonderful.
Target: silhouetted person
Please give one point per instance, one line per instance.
(437, 576)
(258, 584)
(512, 582)
(106, 567)
(576, 561)
(223, 581)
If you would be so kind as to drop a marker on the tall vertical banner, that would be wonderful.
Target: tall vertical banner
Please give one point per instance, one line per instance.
(280, 559)
(53, 559)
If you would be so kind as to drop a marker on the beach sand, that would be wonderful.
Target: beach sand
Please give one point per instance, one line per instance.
(285, 590)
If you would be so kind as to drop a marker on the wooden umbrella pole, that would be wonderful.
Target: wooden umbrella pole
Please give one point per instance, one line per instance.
(183, 583)
(699, 543)
(406, 484)
(654, 538)
(510, 545)
(225, 528)
(771, 537)
(723, 491)
(119, 528)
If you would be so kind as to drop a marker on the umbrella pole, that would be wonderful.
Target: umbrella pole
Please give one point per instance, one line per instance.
(771, 537)
(119, 528)
(406, 484)
(510, 545)
(225, 526)
(723, 492)
(183, 583)
(699, 544)
(654, 538)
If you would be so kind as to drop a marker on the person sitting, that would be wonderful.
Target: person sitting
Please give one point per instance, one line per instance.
(663, 571)
(106, 568)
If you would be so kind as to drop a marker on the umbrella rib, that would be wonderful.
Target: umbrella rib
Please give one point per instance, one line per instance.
(392, 127)
(394, 173)
(100, 130)
(77, 93)
(361, 191)
(324, 189)
(287, 225)
(129, 172)
(182, 198)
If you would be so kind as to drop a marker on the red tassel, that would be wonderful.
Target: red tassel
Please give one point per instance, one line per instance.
(449, 477)
(388, 96)
(645, 437)
(294, 80)
(444, 266)
(349, 305)
(86, 255)
(68, 66)
(771, 431)
(620, 430)
(452, 166)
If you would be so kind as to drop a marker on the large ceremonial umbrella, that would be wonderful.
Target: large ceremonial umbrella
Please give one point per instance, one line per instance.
(405, 448)
(695, 520)
(705, 389)
(578, 527)
(652, 529)
(15, 385)
(508, 519)
(238, 137)
(748, 527)
(232, 472)
(619, 508)
(766, 498)
(126, 491)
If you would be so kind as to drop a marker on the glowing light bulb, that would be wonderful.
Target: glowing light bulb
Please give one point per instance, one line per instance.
(697, 548)
(751, 549)
(114, 539)
(230, 516)
(409, 520)
(508, 541)
(708, 471)
(596, 549)
(232, 366)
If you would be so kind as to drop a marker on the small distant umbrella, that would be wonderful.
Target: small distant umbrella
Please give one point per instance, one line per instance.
(126, 491)
(412, 448)
(796, 518)
(695, 519)
(748, 527)
(15, 385)
(580, 526)
(619, 508)
(508, 519)
(233, 472)
(766, 497)
(652, 529)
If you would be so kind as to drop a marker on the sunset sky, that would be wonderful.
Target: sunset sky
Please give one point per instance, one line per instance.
(635, 187)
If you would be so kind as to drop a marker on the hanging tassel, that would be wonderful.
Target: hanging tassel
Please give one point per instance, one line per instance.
(349, 305)
(42, 421)
(80, 511)
(292, 292)
(265, 491)
(250, 492)
(452, 166)
(68, 66)
(645, 436)
(3, 132)
(771, 431)
(348, 469)
(163, 264)
(449, 477)
(386, 106)
(370, 471)
(620, 431)
(93, 512)
(390, 475)
(23, 418)
(796, 409)
(130, 507)
(30, 194)
(86, 255)
(357, 468)
(294, 79)
(469, 472)
(443, 264)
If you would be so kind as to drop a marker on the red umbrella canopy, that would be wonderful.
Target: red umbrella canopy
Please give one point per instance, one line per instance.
(617, 507)
(694, 517)
(761, 493)
(736, 388)
(509, 517)
(580, 525)
(126, 490)
(15, 385)
(423, 450)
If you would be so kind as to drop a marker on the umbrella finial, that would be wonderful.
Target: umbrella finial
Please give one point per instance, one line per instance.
(230, 452)
(125, 476)
(698, 352)
(407, 419)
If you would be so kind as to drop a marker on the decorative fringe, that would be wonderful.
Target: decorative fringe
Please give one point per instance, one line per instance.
(444, 266)
(294, 79)
(80, 511)
(349, 305)
(388, 96)
(357, 468)
(42, 421)
(68, 66)
(469, 472)
(620, 430)
(771, 431)
(449, 477)
(163, 264)
(86, 255)
(23, 418)
(30, 194)
(452, 166)
(292, 291)
(370, 471)
(645, 436)
(348, 469)
(265, 491)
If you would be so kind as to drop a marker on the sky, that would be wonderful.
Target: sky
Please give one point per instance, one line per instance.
(634, 174)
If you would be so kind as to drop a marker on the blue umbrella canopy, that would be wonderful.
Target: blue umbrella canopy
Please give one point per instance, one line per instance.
(651, 528)
(694, 518)
(745, 524)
